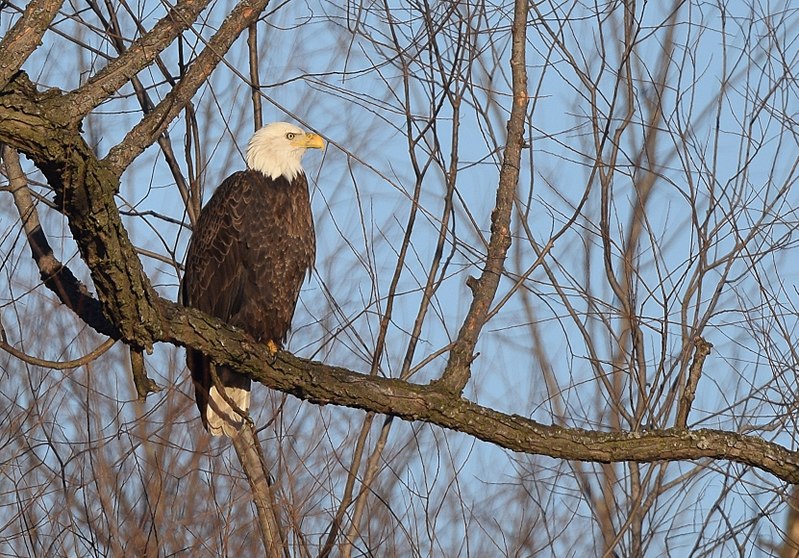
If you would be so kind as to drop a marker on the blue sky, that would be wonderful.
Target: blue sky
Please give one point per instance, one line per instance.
(725, 156)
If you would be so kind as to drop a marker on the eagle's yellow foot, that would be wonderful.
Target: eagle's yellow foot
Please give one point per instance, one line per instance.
(272, 349)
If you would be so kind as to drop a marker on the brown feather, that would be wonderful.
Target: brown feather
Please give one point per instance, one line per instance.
(251, 249)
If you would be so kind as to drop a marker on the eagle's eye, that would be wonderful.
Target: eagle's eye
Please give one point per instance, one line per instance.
(290, 136)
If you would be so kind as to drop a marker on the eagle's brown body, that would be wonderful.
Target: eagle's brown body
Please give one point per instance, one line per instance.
(251, 249)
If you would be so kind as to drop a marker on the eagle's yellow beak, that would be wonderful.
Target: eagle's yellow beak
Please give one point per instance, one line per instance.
(311, 141)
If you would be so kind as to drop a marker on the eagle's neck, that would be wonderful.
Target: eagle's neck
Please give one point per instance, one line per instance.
(274, 163)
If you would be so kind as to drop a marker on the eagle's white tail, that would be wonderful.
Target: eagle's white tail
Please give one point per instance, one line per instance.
(222, 419)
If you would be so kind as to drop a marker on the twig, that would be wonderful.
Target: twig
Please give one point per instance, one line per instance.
(346, 498)
(255, 80)
(144, 384)
(56, 365)
(372, 468)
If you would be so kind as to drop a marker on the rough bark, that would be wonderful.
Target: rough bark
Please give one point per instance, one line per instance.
(323, 384)
(39, 124)
(26, 34)
(36, 124)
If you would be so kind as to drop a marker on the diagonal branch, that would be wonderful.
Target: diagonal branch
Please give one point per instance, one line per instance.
(91, 356)
(56, 276)
(84, 188)
(323, 384)
(457, 372)
(250, 454)
(26, 34)
(157, 121)
(140, 54)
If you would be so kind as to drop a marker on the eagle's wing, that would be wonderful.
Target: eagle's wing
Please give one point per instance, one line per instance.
(214, 282)
(215, 271)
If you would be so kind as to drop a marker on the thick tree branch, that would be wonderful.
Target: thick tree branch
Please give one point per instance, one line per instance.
(323, 384)
(84, 187)
(157, 121)
(60, 279)
(457, 372)
(140, 54)
(55, 276)
(26, 34)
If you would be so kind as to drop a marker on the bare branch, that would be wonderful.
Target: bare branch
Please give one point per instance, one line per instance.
(323, 384)
(56, 277)
(26, 34)
(701, 350)
(154, 123)
(140, 54)
(58, 365)
(144, 384)
(255, 77)
(457, 372)
(250, 454)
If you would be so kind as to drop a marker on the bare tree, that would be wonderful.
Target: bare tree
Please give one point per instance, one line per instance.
(555, 241)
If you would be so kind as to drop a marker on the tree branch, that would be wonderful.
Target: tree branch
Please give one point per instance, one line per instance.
(701, 349)
(26, 34)
(55, 276)
(457, 372)
(57, 365)
(32, 122)
(250, 454)
(140, 54)
(330, 385)
(155, 122)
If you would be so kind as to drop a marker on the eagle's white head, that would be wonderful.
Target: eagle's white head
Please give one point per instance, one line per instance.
(276, 149)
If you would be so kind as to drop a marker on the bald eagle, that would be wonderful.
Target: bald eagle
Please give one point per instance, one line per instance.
(250, 250)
